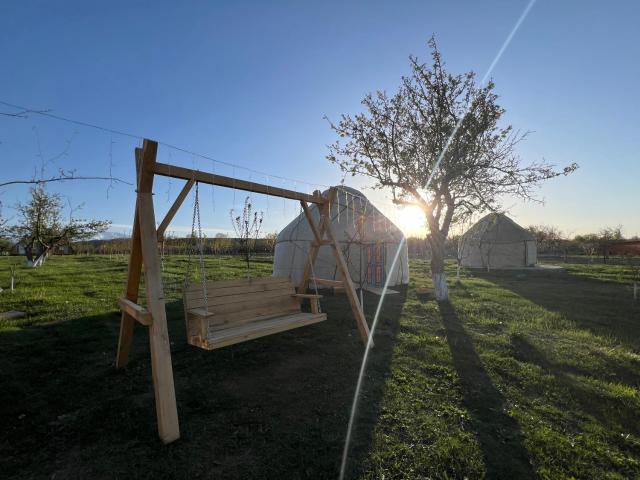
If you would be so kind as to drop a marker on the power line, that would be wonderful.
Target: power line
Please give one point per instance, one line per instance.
(46, 113)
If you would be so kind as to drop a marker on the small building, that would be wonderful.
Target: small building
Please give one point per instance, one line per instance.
(18, 249)
(497, 242)
(368, 239)
(626, 248)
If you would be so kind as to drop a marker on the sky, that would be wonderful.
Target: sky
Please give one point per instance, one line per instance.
(249, 84)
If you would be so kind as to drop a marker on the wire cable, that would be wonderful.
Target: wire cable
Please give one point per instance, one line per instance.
(46, 113)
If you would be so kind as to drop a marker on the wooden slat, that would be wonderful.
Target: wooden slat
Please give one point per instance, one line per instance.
(223, 320)
(249, 321)
(238, 302)
(213, 292)
(135, 310)
(327, 282)
(260, 329)
(174, 209)
(249, 301)
(306, 295)
(236, 183)
(220, 285)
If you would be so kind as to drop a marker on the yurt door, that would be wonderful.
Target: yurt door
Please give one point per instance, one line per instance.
(376, 261)
(530, 253)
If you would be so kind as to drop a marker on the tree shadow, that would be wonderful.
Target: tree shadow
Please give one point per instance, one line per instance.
(499, 435)
(609, 411)
(378, 369)
(275, 407)
(603, 308)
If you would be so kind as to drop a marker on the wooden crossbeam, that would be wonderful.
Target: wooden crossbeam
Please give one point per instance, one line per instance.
(135, 310)
(222, 181)
(174, 209)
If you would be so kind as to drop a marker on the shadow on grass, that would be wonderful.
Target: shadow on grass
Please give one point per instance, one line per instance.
(611, 412)
(275, 407)
(377, 371)
(499, 435)
(604, 308)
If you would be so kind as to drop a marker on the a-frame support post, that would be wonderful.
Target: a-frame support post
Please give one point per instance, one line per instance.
(319, 231)
(133, 284)
(144, 250)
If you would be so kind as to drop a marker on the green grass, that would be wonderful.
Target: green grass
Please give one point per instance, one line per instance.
(520, 375)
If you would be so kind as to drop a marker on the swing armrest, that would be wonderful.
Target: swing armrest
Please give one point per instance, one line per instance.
(314, 300)
(306, 295)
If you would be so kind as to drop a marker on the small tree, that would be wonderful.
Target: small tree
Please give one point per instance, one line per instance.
(548, 238)
(462, 244)
(588, 243)
(40, 227)
(357, 240)
(437, 144)
(13, 269)
(270, 241)
(247, 227)
(5, 246)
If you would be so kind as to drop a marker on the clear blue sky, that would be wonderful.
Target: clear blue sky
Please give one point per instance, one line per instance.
(249, 83)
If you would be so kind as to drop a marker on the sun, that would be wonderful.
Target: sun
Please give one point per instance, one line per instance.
(411, 220)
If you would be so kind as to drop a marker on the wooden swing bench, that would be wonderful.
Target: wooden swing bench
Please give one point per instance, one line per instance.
(239, 310)
(224, 312)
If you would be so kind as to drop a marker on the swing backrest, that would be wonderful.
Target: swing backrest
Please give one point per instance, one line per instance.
(231, 303)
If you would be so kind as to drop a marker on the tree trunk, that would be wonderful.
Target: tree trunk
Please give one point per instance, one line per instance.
(28, 252)
(439, 278)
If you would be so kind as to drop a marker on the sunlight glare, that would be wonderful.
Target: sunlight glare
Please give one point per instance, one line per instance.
(411, 220)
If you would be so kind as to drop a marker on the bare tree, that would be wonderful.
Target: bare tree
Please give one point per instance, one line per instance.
(247, 227)
(549, 239)
(436, 144)
(270, 241)
(40, 227)
(62, 176)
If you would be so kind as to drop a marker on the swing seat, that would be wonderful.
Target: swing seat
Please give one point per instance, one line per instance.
(239, 310)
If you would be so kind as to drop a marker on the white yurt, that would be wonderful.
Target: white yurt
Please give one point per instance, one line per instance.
(496, 241)
(368, 239)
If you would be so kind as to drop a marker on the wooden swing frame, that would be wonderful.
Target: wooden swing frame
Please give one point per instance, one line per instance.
(144, 251)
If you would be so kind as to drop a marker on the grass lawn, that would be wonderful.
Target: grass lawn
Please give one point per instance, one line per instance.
(520, 375)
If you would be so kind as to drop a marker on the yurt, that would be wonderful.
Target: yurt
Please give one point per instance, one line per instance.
(368, 240)
(496, 241)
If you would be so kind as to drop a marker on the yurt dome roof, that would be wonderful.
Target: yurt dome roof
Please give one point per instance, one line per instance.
(378, 227)
(497, 228)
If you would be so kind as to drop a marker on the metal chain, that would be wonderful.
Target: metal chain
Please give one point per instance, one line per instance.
(190, 249)
(200, 245)
(203, 277)
(162, 255)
